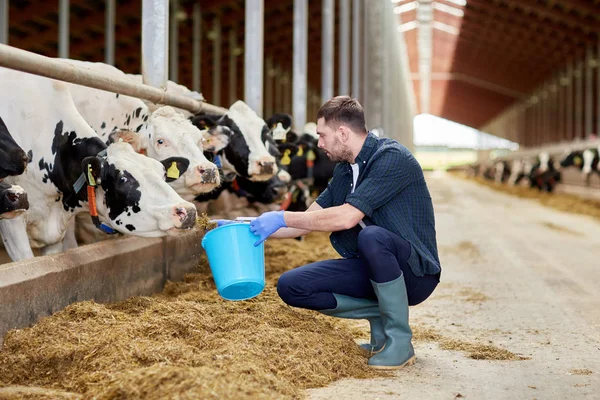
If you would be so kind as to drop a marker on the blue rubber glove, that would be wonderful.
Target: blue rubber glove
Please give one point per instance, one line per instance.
(267, 224)
(221, 222)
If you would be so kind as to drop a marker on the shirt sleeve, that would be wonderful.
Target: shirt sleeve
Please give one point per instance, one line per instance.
(325, 199)
(389, 174)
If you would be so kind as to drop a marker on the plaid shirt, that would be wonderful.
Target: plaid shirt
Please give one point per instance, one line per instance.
(392, 193)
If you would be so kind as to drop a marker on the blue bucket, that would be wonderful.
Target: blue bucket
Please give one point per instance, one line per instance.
(238, 267)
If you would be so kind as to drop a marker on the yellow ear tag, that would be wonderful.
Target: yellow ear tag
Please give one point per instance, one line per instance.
(91, 180)
(310, 156)
(173, 172)
(577, 161)
(286, 160)
(300, 152)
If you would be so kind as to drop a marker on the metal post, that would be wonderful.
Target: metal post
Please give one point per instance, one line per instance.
(356, 41)
(155, 42)
(4, 21)
(588, 93)
(287, 93)
(174, 42)
(327, 24)
(253, 55)
(216, 75)
(278, 105)
(109, 33)
(598, 90)
(232, 66)
(344, 60)
(300, 62)
(63, 28)
(269, 77)
(579, 102)
(543, 112)
(196, 47)
(561, 106)
(569, 105)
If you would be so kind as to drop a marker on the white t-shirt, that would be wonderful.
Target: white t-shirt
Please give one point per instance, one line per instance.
(354, 180)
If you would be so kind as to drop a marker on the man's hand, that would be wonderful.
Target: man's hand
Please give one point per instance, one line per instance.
(267, 224)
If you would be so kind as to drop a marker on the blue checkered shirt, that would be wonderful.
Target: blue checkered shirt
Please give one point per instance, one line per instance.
(392, 193)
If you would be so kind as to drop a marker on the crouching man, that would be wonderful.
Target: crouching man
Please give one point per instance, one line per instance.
(380, 213)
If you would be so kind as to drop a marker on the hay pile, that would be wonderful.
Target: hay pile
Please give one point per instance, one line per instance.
(186, 343)
(558, 201)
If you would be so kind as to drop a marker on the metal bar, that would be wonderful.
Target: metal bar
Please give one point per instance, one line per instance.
(253, 55)
(300, 62)
(579, 102)
(569, 104)
(232, 66)
(155, 42)
(109, 33)
(356, 41)
(561, 89)
(63, 28)
(21, 60)
(269, 78)
(174, 41)
(287, 93)
(327, 24)
(344, 57)
(196, 48)
(588, 93)
(278, 80)
(598, 90)
(216, 75)
(4, 21)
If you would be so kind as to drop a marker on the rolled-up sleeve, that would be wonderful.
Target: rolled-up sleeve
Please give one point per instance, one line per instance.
(388, 175)
(325, 199)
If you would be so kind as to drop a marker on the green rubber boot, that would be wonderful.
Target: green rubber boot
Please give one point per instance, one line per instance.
(355, 308)
(393, 306)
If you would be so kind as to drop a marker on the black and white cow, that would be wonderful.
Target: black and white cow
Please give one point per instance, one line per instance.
(587, 161)
(520, 169)
(545, 173)
(130, 191)
(502, 171)
(160, 134)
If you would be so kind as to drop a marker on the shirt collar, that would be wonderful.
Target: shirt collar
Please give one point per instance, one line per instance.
(367, 149)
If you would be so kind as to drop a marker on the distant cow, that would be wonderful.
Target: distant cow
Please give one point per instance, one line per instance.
(545, 173)
(520, 169)
(70, 164)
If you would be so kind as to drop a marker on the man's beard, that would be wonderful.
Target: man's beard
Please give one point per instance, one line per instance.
(342, 153)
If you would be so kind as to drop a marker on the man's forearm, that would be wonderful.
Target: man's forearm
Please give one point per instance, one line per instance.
(286, 233)
(325, 220)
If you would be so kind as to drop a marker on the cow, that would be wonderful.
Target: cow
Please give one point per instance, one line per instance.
(520, 169)
(545, 173)
(13, 162)
(74, 171)
(161, 134)
(502, 171)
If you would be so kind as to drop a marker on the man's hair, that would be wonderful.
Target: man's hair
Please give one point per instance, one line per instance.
(343, 110)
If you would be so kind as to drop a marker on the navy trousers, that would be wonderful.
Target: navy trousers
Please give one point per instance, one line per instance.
(383, 256)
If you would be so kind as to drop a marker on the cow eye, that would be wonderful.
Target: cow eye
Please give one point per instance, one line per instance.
(123, 179)
(160, 141)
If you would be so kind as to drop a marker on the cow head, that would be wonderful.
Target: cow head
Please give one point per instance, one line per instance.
(280, 125)
(572, 158)
(245, 153)
(13, 160)
(13, 200)
(132, 195)
(171, 135)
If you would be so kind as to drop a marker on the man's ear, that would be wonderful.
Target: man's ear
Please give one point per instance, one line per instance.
(344, 133)
(133, 138)
(215, 139)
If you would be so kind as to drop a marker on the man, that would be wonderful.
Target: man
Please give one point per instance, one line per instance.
(380, 212)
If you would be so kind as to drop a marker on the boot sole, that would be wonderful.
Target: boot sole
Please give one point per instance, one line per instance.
(408, 362)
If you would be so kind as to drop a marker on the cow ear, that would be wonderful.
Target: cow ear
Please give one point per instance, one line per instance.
(175, 167)
(215, 139)
(135, 139)
(93, 169)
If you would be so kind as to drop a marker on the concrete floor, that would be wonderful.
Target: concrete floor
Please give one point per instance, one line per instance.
(517, 275)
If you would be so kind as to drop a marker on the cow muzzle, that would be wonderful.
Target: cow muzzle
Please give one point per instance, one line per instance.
(13, 201)
(262, 169)
(183, 216)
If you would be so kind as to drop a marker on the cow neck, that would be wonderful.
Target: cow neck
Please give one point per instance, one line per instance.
(87, 177)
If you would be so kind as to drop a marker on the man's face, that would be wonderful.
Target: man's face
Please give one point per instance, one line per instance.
(330, 142)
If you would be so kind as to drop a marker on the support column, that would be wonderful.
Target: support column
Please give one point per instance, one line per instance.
(561, 106)
(588, 93)
(196, 48)
(579, 102)
(155, 42)
(269, 77)
(109, 33)
(63, 28)
(300, 63)
(174, 42)
(344, 58)
(216, 75)
(253, 55)
(569, 132)
(232, 66)
(4, 21)
(278, 105)
(327, 25)
(356, 46)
